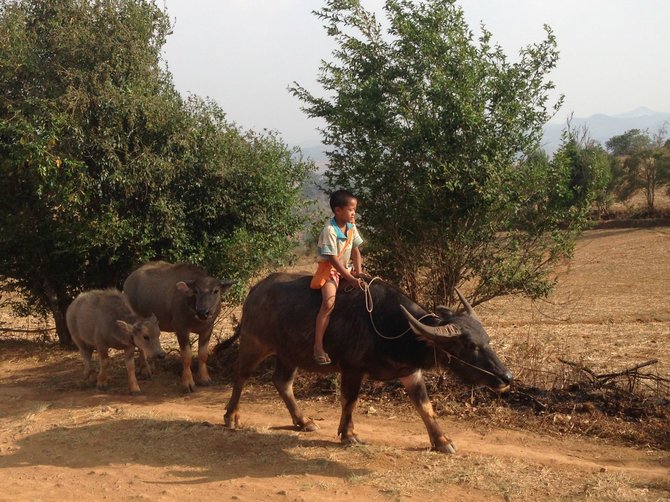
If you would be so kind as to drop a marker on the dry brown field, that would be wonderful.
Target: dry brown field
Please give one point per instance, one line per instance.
(62, 440)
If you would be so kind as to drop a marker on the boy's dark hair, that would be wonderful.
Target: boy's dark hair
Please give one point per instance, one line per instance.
(340, 198)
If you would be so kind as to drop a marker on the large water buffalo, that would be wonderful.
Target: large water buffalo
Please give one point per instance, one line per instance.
(102, 319)
(185, 299)
(390, 342)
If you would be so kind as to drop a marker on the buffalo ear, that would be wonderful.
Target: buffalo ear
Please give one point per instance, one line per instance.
(444, 312)
(149, 322)
(124, 327)
(184, 288)
(226, 285)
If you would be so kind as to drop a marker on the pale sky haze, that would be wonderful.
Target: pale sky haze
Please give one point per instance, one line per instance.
(614, 54)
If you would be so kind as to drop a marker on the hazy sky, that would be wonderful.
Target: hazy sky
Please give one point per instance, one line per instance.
(614, 54)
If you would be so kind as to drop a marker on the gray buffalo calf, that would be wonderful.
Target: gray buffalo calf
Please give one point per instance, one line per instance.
(103, 320)
(185, 299)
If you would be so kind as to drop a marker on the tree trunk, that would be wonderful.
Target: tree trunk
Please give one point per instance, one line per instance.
(64, 338)
(651, 184)
(58, 303)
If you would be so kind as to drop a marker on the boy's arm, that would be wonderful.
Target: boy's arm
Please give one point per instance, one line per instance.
(335, 263)
(358, 261)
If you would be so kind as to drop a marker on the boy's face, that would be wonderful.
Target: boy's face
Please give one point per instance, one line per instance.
(346, 214)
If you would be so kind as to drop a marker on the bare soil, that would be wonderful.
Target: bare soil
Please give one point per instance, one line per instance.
(61, 439)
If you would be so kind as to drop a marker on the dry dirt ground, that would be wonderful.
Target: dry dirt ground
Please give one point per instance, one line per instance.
(62, 440)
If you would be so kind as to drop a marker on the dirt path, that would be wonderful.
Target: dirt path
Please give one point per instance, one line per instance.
(59, 440)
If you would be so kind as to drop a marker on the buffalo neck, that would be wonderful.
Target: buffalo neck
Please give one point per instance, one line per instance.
(409, 349)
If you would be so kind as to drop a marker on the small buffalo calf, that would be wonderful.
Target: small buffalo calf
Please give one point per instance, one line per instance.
(102, 320)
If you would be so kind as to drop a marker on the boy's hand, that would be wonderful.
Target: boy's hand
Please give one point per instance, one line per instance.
(355, 282)
(362, 275)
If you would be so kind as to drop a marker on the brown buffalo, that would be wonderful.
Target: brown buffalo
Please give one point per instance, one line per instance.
(102, 320)
(185, 299)
(387, 343)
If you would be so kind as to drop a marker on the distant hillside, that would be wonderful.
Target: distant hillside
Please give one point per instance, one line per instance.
(317, 154)
(603, 127)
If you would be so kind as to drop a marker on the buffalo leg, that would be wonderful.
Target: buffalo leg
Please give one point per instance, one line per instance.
(416, 390)
(247, 361)
(89, 371)
(283, 380)
(104, 366)
(187, 383)
(203, 352)
(349, 388)
(145, 369)
(130, 369)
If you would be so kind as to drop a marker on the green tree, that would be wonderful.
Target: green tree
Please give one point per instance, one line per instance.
(627, 143)
(437, 133)
(103, 165)
(643, 163)
(591, 179)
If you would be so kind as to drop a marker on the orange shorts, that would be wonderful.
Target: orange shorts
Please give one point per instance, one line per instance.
(324, 272)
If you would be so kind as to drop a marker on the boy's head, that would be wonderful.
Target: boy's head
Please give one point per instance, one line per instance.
(341, 198)
(343, 204)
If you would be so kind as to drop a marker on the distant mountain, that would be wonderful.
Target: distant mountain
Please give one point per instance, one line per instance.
(602, 127)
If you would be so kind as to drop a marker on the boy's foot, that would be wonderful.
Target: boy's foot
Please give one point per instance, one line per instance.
(322, 359)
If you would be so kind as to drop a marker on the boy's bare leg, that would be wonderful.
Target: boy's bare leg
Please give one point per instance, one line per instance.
(328, 292)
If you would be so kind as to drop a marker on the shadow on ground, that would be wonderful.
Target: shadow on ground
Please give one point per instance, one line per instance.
(190, 452)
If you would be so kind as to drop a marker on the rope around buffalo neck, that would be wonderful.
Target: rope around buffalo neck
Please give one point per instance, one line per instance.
(369, 306)
(450, 356)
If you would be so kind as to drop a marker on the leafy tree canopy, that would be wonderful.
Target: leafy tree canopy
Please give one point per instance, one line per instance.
(628, 143)
(103, 165)
(437, 131)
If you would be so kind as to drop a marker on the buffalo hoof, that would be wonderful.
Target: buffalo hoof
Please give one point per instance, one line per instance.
(308, 426)
(230, 421)
(101, 387)
(144, 376)
(135, 393)
(204, 382)
(353, 439)
(188, 388)
(449, 448)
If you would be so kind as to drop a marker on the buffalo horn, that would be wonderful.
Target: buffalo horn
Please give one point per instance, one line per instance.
(468, 307)
(435, 333)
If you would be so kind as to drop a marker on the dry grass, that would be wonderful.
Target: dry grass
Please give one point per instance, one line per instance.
(483, 476)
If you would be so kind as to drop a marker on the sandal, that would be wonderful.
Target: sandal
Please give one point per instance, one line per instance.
(322, 359)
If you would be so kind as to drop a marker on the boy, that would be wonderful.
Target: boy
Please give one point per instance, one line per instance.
(338, 242)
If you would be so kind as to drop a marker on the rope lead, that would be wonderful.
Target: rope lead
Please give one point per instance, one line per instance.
(369, 306)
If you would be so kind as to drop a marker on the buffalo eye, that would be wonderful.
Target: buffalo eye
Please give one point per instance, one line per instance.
(146, 338)
(216, 291)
